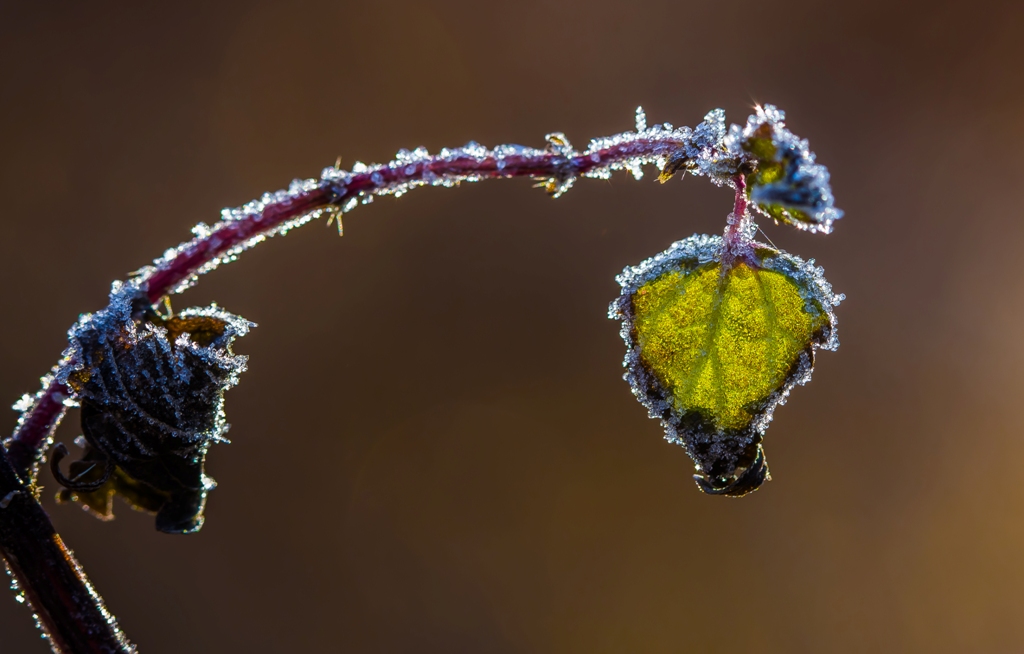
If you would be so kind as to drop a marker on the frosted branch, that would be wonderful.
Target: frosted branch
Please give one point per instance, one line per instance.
(556, 166)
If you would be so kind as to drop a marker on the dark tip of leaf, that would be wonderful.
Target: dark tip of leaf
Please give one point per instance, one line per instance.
(744, 481)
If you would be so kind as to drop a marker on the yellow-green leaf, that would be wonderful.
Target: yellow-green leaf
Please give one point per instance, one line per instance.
(714, 348)
(721, 341)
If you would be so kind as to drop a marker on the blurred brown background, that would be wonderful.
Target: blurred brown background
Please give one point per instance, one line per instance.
(433, 449)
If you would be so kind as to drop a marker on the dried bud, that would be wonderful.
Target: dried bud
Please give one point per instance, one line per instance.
(151, 390)
(786, 184)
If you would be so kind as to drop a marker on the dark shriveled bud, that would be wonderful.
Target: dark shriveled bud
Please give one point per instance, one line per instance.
(151, 390)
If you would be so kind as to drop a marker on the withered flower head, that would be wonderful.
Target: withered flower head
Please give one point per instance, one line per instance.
(151, 390)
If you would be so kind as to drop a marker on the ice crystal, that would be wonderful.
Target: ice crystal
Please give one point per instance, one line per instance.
(713, 349)
(641, 120)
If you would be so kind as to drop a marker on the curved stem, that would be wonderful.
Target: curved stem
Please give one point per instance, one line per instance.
(338, 191)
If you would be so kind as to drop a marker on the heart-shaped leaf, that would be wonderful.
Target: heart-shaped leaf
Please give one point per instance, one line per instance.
(714, 347)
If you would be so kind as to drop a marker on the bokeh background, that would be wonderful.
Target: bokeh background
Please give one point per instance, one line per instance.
(433, 449)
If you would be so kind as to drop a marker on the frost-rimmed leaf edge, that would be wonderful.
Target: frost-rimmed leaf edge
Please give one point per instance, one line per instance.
(688, 253)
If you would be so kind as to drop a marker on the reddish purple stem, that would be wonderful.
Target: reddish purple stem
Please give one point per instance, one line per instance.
(228, 235)
(738, 244)
(36, 427)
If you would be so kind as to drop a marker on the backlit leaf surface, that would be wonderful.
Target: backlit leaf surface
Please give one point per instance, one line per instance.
(714, 348)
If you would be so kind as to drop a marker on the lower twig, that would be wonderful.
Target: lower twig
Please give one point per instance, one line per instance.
(68, 609)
